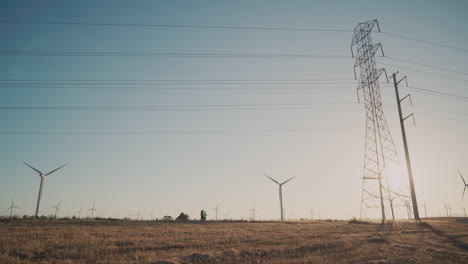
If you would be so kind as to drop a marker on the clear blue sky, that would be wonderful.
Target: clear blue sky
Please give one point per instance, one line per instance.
(166, 174)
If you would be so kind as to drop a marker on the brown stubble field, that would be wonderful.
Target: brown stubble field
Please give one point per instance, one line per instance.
(103, 241)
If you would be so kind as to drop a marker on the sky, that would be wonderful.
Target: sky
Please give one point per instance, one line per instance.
(226, 120)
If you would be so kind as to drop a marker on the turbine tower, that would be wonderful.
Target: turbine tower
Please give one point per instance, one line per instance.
(464, 187)
(12, 207)
(41, 186)
(379, 153)
(280, 192)
(57, 209)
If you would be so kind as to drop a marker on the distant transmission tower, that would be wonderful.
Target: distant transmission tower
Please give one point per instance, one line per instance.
(380, 153)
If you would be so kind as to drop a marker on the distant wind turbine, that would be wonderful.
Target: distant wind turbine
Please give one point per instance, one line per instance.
(43, 176)
(79, 213)
(311, 214)
(216, 209)
(465, 184)
(408, 208)
(447, 208)
(138, 215)
(253, 210)
(12, 207)
(425, 210)
(57, 209)
(280, 193)
(93, 210)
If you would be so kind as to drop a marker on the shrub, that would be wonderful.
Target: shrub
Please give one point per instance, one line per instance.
(168, 218)
(182, 217)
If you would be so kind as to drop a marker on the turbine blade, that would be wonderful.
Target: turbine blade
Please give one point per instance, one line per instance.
(464, 189)
(271, 178)
(47, 174)
(38, 171)
(288, 180)
(461, 176)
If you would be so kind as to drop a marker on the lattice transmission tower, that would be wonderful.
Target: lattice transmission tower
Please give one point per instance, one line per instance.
(381, 160)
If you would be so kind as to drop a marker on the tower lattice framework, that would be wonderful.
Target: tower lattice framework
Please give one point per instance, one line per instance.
(380, 154)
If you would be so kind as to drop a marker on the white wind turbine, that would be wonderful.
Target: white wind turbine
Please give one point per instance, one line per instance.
(465, 184)
(280, 193)
(311, 211)
(253, 210)
(57, 209)
(447, 209)
(139, 216)
(79, 213)
(93, 210)
(12, 208)
(43, 176)
(216, 209)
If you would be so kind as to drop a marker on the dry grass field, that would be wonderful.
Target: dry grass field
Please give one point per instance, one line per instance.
(104, 241)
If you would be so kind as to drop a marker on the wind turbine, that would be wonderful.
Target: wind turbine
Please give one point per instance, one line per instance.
(408, 208)
(216, 210)
(253, 210)
(93, 210)
(43, 176)
(79, 213)
(138, 215)
(311, 214)
(280, 192)
(425, 210)
(57, 209)
(464, 187)
(447, 208)
(12, 207)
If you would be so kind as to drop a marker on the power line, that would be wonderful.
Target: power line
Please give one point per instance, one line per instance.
(439, 110)
(443, 117)
(434, 93)
(442, 129)
(426, 72)
(172, 26)
(425, 41)
(177, 80)
(453, 96)
(176, 88)
(434, 116)
(426, 65)
(220, 27)
(160, 83)
(191, 107)
(167, 54)
(168, 132)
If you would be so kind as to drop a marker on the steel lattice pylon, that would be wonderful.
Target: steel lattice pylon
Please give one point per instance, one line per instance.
(380, 153)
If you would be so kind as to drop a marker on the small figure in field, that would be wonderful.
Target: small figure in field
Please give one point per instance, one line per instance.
(203, 215)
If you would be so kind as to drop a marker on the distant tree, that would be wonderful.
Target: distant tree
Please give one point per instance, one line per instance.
(168, 218)
(182, 217)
